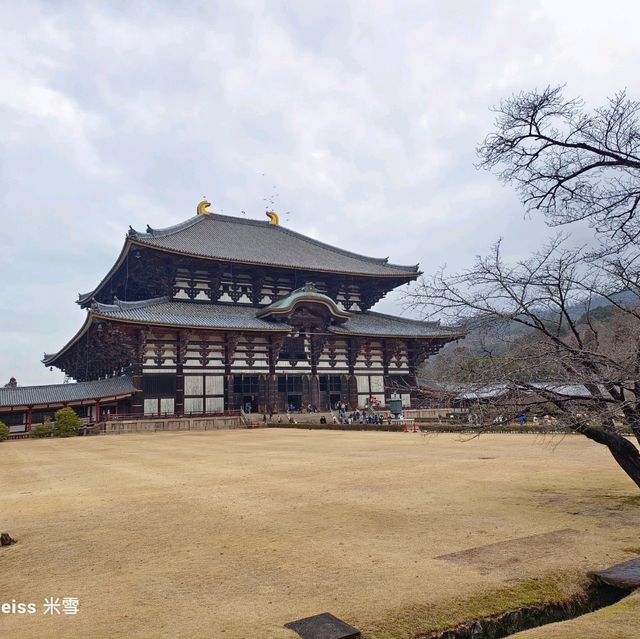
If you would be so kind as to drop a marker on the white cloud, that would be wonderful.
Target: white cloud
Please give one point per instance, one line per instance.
(362, 116)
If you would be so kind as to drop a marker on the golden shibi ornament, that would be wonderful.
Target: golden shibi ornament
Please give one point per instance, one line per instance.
(202, 208)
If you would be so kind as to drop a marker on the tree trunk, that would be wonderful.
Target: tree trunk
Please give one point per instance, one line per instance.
(634, 421)
(624, 452)
(628, 459)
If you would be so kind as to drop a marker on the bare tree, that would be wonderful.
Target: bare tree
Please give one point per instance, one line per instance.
(568, 163)
(590, 369)
(571, 165)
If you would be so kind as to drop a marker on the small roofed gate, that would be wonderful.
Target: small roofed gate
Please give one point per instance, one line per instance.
(22, 407)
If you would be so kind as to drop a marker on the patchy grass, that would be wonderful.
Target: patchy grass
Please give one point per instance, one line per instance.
(619, 621)
(423, 619)
(234, 533)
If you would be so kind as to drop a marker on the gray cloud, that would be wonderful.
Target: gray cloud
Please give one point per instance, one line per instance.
(362, 117)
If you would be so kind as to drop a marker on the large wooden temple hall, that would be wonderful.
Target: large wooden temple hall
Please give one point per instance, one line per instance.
(219, 313)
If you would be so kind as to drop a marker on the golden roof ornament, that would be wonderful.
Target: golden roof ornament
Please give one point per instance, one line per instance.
(202, 208)
(273, 217)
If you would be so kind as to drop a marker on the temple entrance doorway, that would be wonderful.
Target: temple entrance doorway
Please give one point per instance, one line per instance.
(246, 392)
(290, 391)
(250, 404)
(294, 402)
(334, 398)
(330, 391)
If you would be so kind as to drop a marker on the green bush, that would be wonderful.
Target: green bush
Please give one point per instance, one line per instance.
(43, 430)
(67, 423)
(4, 431)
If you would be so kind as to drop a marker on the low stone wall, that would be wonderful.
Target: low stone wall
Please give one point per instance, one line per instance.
(314, 418)
(171, 424)
(428, 413)
(283, 418)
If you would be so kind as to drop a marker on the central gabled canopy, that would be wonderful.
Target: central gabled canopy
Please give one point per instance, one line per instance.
(308, 295)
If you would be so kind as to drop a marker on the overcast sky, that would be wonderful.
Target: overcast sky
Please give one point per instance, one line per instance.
(359, 118)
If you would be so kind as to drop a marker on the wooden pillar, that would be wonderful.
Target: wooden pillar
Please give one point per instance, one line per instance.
(230, 396)
(355, 344)
(275, 344)
(29, 421)
(262, 393)
(271, 392)
(352, 392)
(314, 390)
(181, 353)
(314, 356)
(344, 388)
(137, 403)
(97, 409)
(316, 343)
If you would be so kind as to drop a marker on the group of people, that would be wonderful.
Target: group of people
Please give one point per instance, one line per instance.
(523, 419)
(309, 408)
(290, 419)
(342, 415)
(358, 417)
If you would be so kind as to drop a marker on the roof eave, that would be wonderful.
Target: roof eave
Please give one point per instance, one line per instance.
(406, 275)
(346, 332)
(49, 360)
(195, 327)
(84, 299)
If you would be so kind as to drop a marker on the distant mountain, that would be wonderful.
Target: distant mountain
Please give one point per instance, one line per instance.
(480, 340)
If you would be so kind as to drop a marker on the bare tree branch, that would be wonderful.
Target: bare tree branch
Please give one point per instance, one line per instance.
(567, 163)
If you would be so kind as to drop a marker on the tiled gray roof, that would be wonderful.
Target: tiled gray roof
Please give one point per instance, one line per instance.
(471, 391)
(58, 393)
(371, 323)
(566, 390)
(256, 242)
(162, 311)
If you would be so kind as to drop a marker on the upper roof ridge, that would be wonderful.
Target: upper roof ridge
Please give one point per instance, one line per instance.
(231, 219)
(125, 304)
(169, 230)
(106, 380)
(231, 239)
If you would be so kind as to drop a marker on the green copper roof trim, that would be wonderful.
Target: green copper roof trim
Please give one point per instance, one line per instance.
(308, 293)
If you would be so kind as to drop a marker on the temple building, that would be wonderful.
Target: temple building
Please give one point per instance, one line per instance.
(222, 313)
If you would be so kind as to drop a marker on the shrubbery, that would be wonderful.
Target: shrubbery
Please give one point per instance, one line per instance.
(4, 431)
(43, 430)
(67, 423)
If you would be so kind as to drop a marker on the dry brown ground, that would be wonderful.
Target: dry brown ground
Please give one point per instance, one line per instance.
(233, 533)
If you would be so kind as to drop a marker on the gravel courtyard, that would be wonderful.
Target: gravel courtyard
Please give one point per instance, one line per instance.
(234, 533)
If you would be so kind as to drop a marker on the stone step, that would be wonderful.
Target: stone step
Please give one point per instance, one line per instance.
(625, 575)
